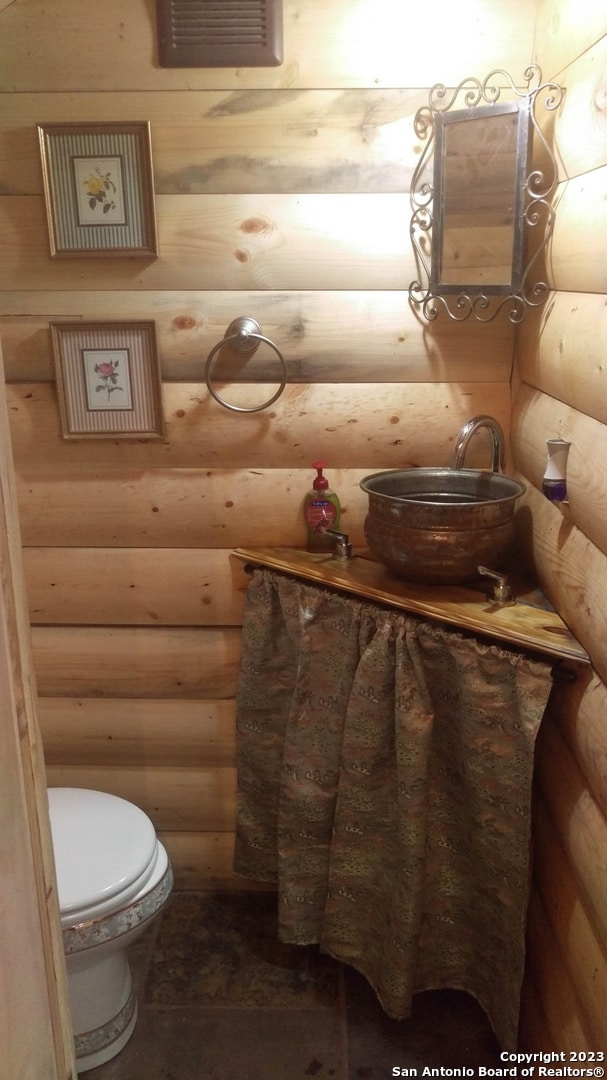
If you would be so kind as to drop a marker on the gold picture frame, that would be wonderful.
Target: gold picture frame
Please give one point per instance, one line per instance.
(108, 380)
(99, 189)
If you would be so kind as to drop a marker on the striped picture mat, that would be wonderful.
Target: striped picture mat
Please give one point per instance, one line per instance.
(108, 380)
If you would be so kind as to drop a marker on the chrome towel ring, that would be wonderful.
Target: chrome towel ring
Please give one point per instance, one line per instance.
(244, 334)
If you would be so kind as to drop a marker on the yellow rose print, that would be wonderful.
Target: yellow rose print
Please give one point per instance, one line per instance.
(99, 187)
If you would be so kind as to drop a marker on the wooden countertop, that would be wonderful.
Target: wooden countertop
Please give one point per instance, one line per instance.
(529, 621)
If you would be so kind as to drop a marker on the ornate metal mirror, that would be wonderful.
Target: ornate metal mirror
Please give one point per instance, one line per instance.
(474, 198)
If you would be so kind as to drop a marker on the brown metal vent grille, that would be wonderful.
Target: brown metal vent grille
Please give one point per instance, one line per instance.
(219, 33)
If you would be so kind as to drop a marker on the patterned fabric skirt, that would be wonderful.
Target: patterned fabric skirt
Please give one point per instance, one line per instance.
(384, 784)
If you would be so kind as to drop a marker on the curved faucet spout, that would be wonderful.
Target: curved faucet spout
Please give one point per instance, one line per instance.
(470, 429)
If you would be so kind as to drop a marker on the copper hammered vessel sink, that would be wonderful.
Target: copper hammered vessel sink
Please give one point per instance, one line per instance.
(436, 525)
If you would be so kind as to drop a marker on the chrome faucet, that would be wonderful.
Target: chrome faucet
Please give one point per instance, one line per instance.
(342, 548)
(470, 429)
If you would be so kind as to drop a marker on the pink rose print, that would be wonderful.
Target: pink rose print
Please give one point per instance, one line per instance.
(107, 371)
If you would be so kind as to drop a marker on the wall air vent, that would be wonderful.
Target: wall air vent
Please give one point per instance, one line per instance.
(219, 33)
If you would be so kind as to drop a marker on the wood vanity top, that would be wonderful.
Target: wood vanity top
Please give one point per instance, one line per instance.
(529, 621)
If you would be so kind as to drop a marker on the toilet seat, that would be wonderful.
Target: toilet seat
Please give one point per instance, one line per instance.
(106, 852)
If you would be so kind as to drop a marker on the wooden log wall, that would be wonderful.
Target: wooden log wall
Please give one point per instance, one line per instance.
(281, 194)
(560, 383)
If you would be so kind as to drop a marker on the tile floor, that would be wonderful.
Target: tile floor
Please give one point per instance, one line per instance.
(220, 998)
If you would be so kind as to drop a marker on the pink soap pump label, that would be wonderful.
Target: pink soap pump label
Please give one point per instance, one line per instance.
(320, 512)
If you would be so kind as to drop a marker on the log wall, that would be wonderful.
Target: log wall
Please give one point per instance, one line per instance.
(560, 383)
(283, 194)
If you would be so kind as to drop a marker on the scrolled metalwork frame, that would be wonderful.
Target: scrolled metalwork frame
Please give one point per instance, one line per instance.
(537, 189)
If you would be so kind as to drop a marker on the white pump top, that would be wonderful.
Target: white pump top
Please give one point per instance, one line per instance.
(105, 851)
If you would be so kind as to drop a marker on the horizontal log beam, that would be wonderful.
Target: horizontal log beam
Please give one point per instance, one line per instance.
(580, 710)
(338, 45)
(203, 860)
(534, 1034)
(229, 242)
(537, 417)
(575, 250)
(398, 424)
(189, 799)
(580, 125)
(568, 1026)
(561, 35)
(578, 821)
(182, 508)
(134, 586)
(138, 732)
(334, 335)
(561, 351)
(570, 571)
(137, 662)
(580, 949)
(211, 141)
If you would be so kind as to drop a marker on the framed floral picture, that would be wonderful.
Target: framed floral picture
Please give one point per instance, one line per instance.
(108, 380)
(98, 188)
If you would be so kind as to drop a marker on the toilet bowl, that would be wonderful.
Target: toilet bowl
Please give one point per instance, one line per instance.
(113, 879)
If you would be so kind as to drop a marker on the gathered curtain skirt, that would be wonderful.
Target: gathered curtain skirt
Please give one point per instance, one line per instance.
(384, 785)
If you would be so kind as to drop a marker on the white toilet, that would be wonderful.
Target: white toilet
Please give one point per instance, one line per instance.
(113, 877)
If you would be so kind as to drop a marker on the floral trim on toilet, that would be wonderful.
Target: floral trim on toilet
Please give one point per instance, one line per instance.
(87, 935)
(91, 1042)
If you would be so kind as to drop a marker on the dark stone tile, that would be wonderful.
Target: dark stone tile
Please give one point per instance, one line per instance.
(223, 999)
(446, 1028)
(230, 1044)
(223, 949)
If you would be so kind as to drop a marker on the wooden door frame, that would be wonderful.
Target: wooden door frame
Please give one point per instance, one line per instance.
(35, 1029)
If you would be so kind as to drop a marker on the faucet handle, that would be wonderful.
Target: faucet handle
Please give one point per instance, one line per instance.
(501, 591)
(342, 547)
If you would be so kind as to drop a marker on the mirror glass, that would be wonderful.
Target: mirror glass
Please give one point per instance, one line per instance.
(476, 185)
(473, 199)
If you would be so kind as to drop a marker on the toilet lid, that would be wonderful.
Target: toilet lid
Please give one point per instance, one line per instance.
(104, 846)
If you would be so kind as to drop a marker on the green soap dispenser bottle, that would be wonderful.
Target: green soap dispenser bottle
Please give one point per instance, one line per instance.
(321, 510)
